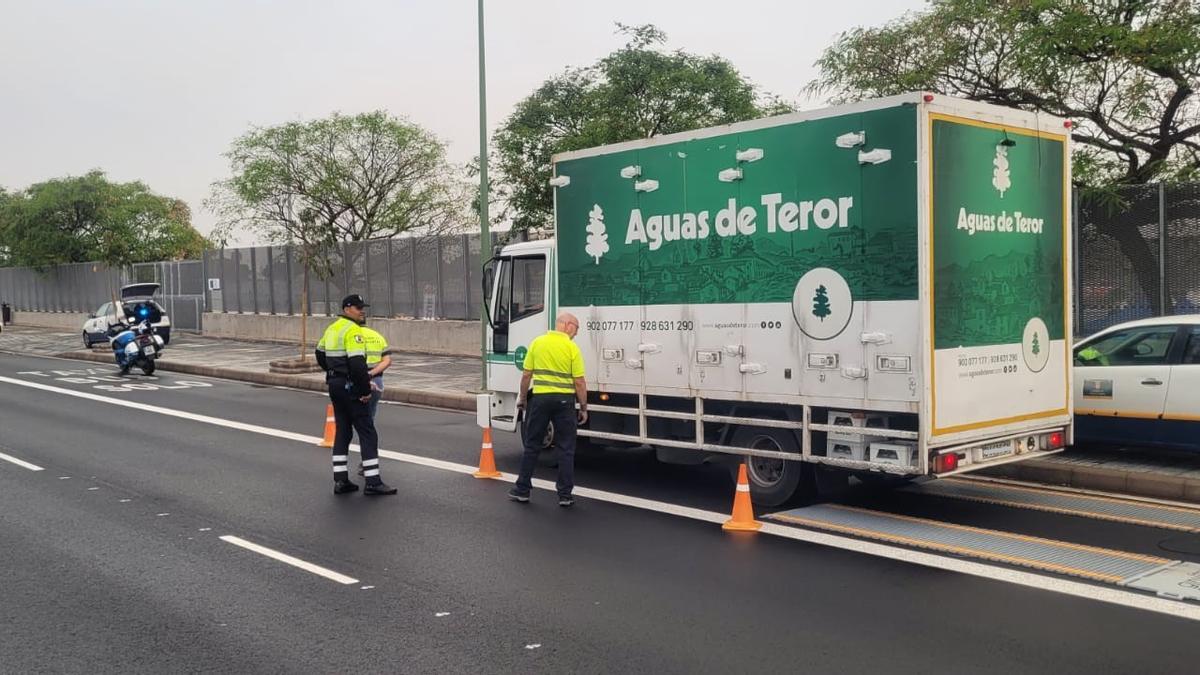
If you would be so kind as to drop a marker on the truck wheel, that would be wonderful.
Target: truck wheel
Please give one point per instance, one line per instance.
(773, 482)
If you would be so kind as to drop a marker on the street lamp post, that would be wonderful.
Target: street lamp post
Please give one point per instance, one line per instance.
(485, 239)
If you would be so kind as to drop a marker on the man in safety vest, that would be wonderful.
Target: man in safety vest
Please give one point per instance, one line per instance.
(554, 365)
(342, 352)
(379, 359)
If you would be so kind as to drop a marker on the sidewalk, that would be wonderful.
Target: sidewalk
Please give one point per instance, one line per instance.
(438, 381)
(448, 382)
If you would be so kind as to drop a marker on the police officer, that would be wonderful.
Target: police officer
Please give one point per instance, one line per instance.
(554, 365)
(342, 353)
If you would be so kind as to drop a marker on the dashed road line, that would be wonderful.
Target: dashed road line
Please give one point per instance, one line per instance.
(20, 462)
(290, 560)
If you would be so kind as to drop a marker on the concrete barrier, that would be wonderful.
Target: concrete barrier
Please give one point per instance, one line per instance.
(64, 321)
(452, 338)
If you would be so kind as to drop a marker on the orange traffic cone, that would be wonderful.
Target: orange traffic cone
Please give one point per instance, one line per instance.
(330, 427)
(743, 513)
(487, 458)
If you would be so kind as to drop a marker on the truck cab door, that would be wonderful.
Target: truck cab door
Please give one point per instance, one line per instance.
(518, 313)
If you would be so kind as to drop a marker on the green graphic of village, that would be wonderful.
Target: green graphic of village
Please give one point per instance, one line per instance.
(879, 266)
(991, 300)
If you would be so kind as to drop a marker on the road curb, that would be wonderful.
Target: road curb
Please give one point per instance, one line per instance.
(433, 399)
(1154, 484)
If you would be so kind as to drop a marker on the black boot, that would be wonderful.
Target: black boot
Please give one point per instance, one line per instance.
(379, 488)
(341, 487)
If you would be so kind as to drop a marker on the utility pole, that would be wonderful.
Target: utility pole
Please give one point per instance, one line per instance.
(485, 239)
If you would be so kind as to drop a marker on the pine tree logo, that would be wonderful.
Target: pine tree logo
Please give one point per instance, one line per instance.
(821, 303)
(1000, 177)
(1037, 348)
(597, 240)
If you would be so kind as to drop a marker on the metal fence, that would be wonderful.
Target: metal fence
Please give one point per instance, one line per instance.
(182, 292)
(1137, 256)
(424, 278)
(80, 287)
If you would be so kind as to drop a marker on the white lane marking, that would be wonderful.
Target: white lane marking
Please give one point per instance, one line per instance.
(536, 645)
(1077, 589)
(285, 558)
(20, 462)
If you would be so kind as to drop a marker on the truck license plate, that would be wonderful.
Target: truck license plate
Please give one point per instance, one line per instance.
(997, 449)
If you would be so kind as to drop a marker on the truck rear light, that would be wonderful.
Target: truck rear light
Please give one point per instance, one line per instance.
(1056, 441)
(945, 463)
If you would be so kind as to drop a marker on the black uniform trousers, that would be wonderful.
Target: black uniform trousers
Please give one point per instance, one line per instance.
(352, 415)
(544, 410)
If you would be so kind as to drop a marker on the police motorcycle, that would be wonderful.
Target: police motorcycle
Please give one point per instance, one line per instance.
(134, 340)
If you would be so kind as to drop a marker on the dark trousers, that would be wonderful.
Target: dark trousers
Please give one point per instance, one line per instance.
(352, 415)
(543, 410)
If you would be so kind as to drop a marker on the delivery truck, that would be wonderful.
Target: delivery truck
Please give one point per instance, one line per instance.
(878, 289)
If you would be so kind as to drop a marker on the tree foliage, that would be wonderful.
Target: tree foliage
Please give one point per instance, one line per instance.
(1124, 71)
(638, 91)
(89, 218)
(342, 178)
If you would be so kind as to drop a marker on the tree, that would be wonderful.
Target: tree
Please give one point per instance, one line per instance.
(316, 184)
(1124, 71)
(597, 241)
(638, 91)
(821, 303)
(89, 218)
(367, 176)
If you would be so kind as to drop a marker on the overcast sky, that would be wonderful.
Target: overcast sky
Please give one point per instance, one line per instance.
(155, 90)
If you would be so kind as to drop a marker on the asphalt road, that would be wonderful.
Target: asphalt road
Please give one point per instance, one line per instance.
(113, 558)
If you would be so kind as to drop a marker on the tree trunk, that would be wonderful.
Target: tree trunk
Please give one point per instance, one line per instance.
(304, 317)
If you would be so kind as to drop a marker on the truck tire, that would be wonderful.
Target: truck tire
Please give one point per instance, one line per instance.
(773, 482)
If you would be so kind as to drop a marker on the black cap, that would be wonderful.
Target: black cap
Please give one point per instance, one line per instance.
(354, 300)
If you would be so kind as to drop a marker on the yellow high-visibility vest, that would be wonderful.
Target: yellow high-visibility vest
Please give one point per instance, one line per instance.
(555, 361)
